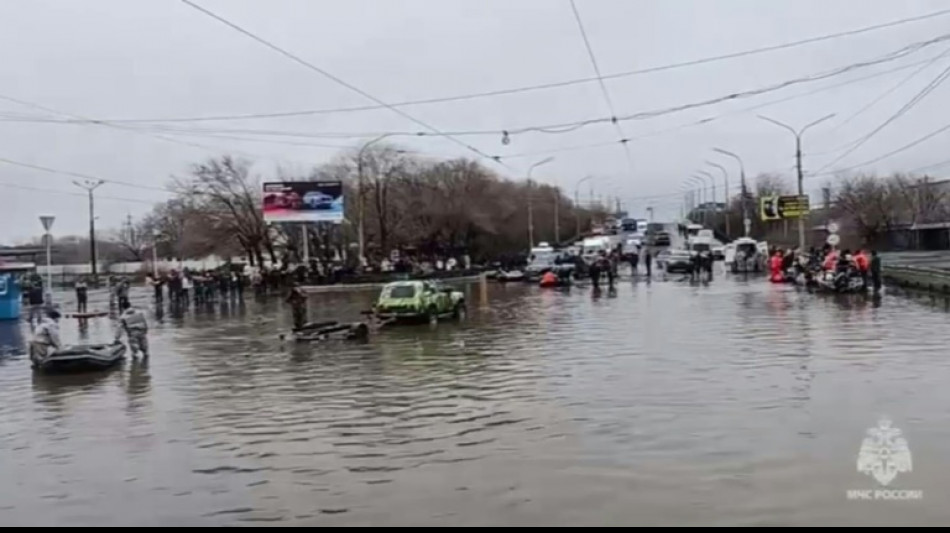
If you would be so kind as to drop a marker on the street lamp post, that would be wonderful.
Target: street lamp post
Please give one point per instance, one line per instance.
(712, 199)
(725, 184)
(701, 194)
(47, 222)
(530, 206)
(798, 163)
(360, 196)
(746, 222)
(577, 203)
(712, 186)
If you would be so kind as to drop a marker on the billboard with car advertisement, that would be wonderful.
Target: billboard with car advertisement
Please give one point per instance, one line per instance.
(303, 201)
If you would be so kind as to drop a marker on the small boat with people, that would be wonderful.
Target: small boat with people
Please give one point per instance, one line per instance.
(829, 271)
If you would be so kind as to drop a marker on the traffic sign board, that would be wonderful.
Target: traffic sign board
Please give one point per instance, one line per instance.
(782, 207)
(833, 227)
(47, 221)
(834, 239)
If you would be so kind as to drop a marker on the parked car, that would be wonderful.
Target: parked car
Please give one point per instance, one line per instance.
(679, 261)
(660, 238)
(410, 300)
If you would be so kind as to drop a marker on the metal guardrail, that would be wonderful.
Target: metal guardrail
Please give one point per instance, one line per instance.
(924, 278)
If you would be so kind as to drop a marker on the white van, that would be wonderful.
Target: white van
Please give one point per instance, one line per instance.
(692, 230)
(593, 246)
(697, 245)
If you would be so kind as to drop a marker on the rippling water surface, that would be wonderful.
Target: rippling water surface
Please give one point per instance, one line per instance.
(736, 403)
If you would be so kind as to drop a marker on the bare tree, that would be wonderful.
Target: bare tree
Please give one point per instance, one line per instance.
(873, 205)
(231, 200)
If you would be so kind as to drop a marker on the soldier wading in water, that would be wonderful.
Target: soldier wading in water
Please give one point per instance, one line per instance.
(298, 305)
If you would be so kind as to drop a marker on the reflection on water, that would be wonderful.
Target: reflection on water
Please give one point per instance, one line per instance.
(735, 402)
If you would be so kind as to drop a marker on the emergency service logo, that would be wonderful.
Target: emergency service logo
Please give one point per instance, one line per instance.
(883, 455)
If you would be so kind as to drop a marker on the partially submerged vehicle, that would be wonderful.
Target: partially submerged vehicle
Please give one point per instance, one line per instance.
(81, 357)
(321, 331)
(418, 300)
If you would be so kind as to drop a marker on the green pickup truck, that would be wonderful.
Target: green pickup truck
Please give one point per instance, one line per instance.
(419, 300)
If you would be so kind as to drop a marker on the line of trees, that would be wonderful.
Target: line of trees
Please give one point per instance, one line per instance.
(426, 207)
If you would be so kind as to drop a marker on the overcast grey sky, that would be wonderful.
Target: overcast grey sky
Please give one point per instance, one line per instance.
(113, 59)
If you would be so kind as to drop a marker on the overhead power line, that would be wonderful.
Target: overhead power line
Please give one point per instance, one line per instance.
(885, 94)
(565, 127)
(553, 85)
(80, 175)
(701, 122)
(906, 147)
(86, 120)
(603, 85)
(933, 84)
(297, 59)
(72, 193)
(572, 126)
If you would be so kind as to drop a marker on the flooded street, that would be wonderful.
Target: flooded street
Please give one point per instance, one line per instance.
(737, 403)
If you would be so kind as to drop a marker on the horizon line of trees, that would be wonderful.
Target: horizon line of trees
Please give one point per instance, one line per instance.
(427, 207)
(450, 207)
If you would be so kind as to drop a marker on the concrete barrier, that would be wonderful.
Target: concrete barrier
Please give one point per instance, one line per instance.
(343, 287)
(917, 277)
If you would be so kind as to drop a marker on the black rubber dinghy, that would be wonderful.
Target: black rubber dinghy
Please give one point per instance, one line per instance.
(82, 358)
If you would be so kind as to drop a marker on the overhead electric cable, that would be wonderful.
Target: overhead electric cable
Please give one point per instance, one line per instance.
(553, 85)
(297, 59)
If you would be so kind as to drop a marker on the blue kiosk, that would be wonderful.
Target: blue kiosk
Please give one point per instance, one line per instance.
(11, 297)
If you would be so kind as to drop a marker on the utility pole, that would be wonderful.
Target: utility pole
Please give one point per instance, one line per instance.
(557, 214)
(91, 186)
(798, 162)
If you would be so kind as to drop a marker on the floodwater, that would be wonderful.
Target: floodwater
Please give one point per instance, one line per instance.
(737, 403)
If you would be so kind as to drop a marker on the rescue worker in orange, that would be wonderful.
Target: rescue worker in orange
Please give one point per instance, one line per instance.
(863, 265)
(831, 261)
(775, 267)
(549, 279)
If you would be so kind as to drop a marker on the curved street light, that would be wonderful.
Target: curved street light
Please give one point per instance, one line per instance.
(798, 160)
(530, 206)
(746, 223)
(725, 185)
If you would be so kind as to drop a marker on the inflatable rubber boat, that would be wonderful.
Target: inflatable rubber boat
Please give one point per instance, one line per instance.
(319, 331)
(82, 357)
(512, 275)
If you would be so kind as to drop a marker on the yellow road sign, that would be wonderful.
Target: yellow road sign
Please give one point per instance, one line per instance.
(782, 207)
